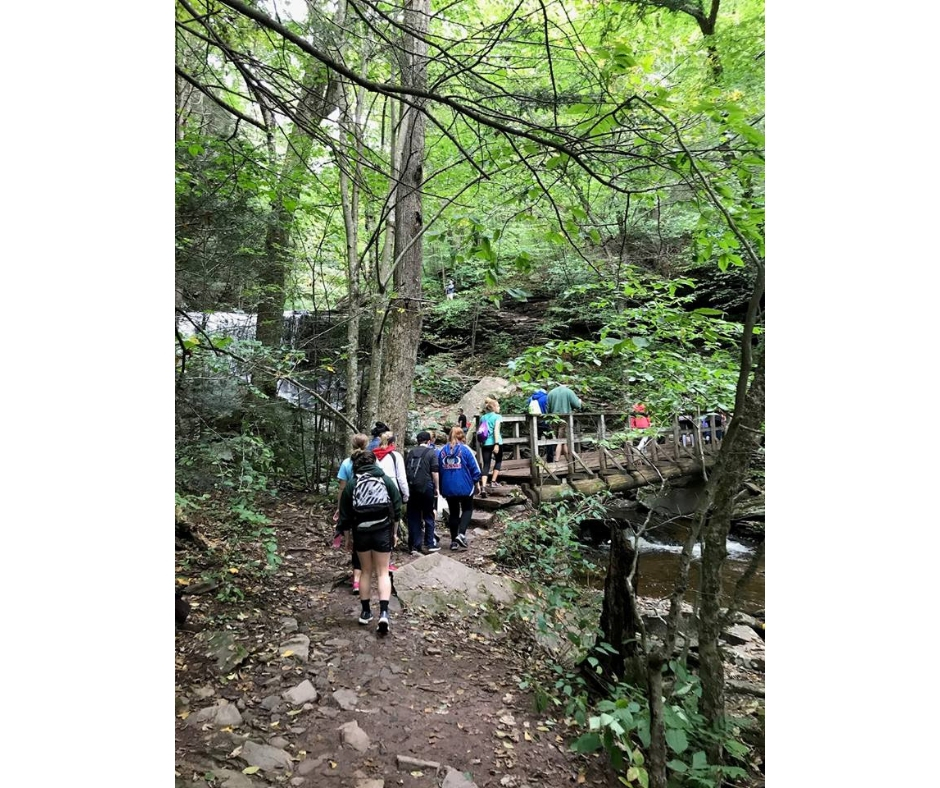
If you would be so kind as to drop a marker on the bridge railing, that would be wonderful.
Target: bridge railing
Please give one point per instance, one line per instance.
(619, 446)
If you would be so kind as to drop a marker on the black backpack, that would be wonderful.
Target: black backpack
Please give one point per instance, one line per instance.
(371, 502)
(417, 468)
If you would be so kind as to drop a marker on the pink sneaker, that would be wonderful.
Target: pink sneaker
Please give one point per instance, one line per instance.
(392, 568)
(356, 588)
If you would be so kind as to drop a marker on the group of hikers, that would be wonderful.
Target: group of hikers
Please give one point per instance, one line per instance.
(378, 486)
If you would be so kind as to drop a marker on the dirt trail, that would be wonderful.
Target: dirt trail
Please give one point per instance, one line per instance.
(437, 689)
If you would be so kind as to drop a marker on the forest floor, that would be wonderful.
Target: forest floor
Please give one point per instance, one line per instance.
(283, 686)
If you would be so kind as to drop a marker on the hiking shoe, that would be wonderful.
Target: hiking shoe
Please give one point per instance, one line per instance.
(462, 541)
(454, 545)
(434, 549)
(414, 553)
(365, 618)
(483, 493)
(392, 568)
(383, 624)
(495, 484)
(355, 588)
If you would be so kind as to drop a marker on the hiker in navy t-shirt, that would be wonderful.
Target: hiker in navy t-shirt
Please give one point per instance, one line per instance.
(421, 468)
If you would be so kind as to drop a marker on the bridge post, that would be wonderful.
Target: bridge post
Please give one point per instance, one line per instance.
(534, 471)
(675, 436)
(601, 455)
(569, 442)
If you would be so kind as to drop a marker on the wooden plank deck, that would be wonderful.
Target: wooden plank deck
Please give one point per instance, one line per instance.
(595, 463)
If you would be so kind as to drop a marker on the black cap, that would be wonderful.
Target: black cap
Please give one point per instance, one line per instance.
(424, 436)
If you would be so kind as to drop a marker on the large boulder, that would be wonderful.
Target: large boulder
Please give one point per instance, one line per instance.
(436, 583)
(472, 401)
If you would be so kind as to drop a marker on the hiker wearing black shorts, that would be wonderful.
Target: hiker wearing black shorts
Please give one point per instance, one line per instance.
(371, 533)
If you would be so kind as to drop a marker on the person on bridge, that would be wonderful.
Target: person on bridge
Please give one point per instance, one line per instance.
(639, 420)
(538, 406)
(460, 477)
(561, 401)
(493, 443)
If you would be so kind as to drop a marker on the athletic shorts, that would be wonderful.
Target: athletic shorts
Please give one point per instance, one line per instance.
(380, 541)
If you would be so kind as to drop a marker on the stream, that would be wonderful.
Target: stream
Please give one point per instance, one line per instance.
(659, 563)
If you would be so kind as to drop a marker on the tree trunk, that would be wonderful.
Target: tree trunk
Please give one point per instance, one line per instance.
(618, 624)
(383, 270)
(741, 439)
(400, 343)
(656, 765)
(317, 101)
(350, 191)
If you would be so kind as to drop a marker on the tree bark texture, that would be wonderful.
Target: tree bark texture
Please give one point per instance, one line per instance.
(741, 439)
(618, 624)
(656, 764)
(400, 343)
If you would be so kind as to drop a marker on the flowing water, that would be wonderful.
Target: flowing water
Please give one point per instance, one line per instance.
(659, 564)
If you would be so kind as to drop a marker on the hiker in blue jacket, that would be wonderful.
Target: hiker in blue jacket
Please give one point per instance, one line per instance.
(460, 478)
(541, 397)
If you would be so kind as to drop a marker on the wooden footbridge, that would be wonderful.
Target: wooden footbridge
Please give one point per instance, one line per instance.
(600, 451)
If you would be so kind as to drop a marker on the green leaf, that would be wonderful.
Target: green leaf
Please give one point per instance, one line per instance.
(589, 742)
(677, 766)
(677, 741)
(699, 760)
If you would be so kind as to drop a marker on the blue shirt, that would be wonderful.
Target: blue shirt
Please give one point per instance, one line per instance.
(458, 470)
(345, 472)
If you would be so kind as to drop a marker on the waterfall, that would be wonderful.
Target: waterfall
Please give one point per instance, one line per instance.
(242, 325)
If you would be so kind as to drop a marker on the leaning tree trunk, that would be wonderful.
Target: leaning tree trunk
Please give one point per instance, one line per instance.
(400, 342)
(740, 441)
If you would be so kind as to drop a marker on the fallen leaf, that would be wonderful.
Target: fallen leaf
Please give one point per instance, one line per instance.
(233, 570)
(250, 769)
(333, 764)
(288, 653)
(183, 581)
(183, 715)
(528, 736)
(581, 778)
(508, 745)
(417, 774)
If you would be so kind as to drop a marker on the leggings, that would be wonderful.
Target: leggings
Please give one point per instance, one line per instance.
(461, 510)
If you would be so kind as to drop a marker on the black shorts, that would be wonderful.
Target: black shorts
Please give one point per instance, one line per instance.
(380, 540)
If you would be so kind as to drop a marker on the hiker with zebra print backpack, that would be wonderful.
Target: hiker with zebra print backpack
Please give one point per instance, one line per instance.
(370, 508)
